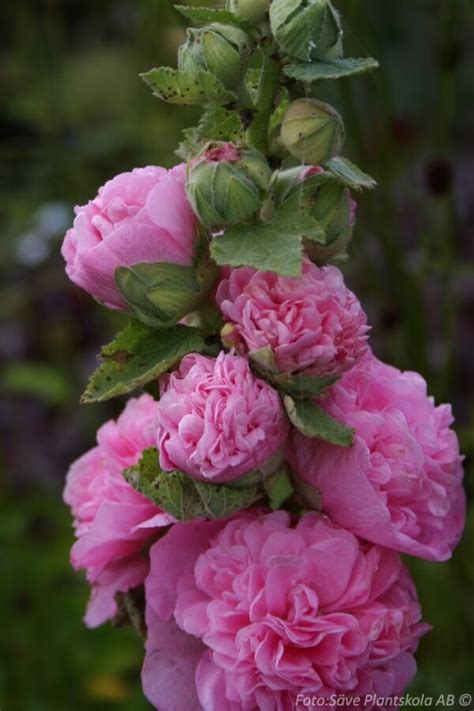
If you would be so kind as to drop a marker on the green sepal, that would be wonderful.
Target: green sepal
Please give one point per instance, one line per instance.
(158, 294)
(137, 355)
(206, 15)
(294, 384)
(161, 293)
(349, 174)
(274, 246)
(329, 68)
(312, 421)
(180, 87)
(303, 386)
(185, 498)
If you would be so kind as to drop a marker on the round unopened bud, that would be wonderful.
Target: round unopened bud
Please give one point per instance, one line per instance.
(320, 195)
(252, 10)
(312, 131)
(216, 48)
(306, 29)
(227, 184)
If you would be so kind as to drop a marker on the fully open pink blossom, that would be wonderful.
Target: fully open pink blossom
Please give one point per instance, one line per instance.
(312, 324)
(250, 614)
(113, 522)
(216, 421)
(400, 484)
(137, 217)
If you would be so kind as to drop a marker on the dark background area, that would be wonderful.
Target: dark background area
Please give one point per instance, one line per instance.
(73, 113)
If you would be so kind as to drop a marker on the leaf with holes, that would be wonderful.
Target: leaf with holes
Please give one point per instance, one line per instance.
(185, 498)
(137, 355)
(179, 87)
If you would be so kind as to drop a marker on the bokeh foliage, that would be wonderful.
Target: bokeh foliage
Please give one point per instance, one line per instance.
(73, 112)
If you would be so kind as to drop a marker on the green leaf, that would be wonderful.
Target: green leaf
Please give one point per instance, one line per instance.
(183, 497)
(274, 246)
(313, 421)
(327, 68)
(216, 124)
(205, 15)
(137, 355)
(298, 386)
(349, 174)
(301, 386)
(179, 87)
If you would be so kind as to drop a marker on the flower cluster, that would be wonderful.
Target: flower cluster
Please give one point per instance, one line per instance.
(253, 609)
(252, 515)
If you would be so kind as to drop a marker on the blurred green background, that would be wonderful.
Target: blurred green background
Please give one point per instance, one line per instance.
(73, 113)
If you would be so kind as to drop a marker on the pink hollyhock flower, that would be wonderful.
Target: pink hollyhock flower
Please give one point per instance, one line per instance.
(259, 611)
(113, 522)
(216, 421)
(400, 484)
(313, 324)
(137, 217)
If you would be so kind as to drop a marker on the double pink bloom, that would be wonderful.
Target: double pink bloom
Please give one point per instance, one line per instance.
(257, 610)
(137, 217)
(313, 324)
(114, 523)
(216, 420)
(400, 484)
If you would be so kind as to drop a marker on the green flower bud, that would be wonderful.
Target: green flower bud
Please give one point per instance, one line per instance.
(312, 131)
(252, 10)
(306, 29)
(317, 193)
(227, 184)
(216, 48)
